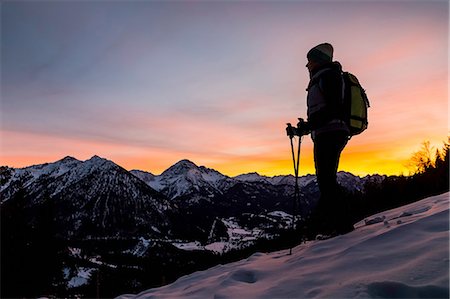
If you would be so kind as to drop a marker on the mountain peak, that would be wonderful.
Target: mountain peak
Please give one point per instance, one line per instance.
(97, 161)
(68, 159)
(97, 158)
(180, 167)
(186, 163)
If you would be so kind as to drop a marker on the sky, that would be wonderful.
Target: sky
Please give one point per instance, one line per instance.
(148, 83)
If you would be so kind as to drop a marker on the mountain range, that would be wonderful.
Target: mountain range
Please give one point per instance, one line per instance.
(98, 198)
(122, 221)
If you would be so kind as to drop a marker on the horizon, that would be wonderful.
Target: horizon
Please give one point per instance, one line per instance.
(147, 84)
(193, 162)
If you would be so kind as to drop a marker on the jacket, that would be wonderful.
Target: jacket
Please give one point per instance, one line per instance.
(324, 100)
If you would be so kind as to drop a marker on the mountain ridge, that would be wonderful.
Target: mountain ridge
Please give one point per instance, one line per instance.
(182, 178)
(103, 191)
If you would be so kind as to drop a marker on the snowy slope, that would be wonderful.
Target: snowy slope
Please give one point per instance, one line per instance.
(401, 253)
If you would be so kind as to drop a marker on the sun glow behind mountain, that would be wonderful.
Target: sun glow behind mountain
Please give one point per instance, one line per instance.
(214, 83)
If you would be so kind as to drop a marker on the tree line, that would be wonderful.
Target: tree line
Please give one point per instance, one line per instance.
(429, 176)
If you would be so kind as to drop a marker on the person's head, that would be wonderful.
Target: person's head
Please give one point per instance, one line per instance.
(319, 55)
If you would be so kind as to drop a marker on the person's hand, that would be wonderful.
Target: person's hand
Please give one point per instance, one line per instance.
(291, 131)
(303, 127)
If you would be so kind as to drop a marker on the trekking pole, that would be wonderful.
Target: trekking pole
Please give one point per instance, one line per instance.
(296, 162)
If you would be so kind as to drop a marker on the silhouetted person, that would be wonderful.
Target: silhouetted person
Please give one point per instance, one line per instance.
(330, 135)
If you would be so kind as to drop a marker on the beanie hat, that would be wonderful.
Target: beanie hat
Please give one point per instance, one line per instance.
(321, 53)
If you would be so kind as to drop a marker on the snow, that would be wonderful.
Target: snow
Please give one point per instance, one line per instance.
(75, 252)
(280, 214)
(217, 247)
(66, 166)
(252, 177)
(404, 255)
(33, 173)
(82, 277)
(189, 246)
(141, 247)
(183, 177)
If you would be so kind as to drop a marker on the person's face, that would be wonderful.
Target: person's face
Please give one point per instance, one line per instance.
(312, 65)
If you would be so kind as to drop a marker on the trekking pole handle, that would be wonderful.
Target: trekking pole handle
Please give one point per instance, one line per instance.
(290, 130)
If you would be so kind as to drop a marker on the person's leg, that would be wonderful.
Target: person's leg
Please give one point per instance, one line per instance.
(327, 151)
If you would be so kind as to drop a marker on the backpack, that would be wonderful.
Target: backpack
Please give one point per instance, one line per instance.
(355, 104)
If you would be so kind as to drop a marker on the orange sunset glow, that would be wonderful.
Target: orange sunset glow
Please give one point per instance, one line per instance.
(215, 82)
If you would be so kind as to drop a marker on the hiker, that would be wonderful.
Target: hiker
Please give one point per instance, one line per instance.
(330, 135)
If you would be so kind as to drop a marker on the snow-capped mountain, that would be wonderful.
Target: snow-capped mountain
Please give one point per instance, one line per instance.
(29, 175)
(403, 255)
(94, 198)
(184, 178)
